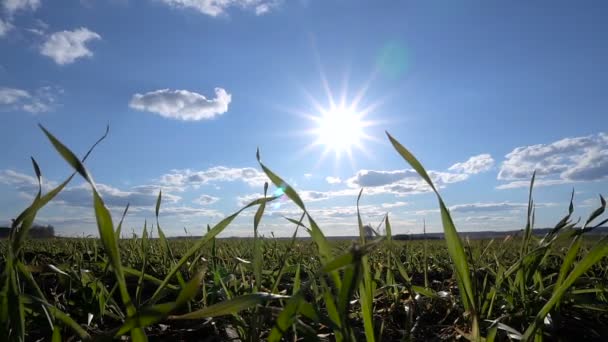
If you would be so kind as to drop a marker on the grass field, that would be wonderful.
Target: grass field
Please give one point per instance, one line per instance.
(522, 288)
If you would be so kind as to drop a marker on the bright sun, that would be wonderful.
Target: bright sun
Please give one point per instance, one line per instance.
(339, 129)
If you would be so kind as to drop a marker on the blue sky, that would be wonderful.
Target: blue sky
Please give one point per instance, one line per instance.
(482, 92)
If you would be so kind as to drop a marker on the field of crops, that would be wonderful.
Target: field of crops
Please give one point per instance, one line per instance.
(209, 289)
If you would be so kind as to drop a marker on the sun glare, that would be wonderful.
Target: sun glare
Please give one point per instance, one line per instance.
(339, 129)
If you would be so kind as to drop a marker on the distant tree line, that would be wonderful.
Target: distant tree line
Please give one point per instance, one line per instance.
(37, 231)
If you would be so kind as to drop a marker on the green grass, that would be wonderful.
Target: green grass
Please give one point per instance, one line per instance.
(529, 288)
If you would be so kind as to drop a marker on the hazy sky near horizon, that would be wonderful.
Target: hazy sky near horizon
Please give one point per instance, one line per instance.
(483, 93)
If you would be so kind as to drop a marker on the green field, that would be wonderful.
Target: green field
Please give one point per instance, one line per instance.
(521, 288)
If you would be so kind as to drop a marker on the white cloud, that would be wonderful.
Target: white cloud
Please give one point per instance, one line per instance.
(182, 179)
(401, 182)
(308, 175)
(66, 47)
(215, 8)
(333, 213)
(182, 104)
(372, 178)
(5, 26)
(333, 180)
(206, 200)
(42, 100)
(567, 160)
(12, 6)
(474, 165)
(311, 195)
(488, 207)
(39, 28)
(394, 205)
(537, 183)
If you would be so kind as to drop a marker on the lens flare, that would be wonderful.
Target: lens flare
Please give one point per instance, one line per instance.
(280, 193)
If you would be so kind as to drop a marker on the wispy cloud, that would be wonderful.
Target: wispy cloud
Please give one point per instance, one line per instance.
(488, 207)
(182, 104)
(41, 100)
(5, 27)
(206, 200)
(12, 6)
(474, 165)
(182, 179)
(65, 47)
(216, 8)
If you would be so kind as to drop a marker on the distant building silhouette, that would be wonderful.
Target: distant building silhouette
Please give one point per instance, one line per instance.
(36, 231)
(370, 233)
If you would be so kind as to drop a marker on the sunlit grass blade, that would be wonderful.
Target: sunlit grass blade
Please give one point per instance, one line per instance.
(104, 224)
(231, 306)
(599, 251)
(365, 288)
(454, 244)
(156, 313)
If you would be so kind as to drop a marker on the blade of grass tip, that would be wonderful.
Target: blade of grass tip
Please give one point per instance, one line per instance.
(562, 223)
(359, 221)
(365, 288)
(454, 244)
(315, 231)
(104, 224)
(22, 224)
(280, 183)
(528, 229)
(122, 218)
(105, 134)
(26, 218)
(596, 213)
(231, 306)
(29, 214)
(38, 174)
(51, 194)
(164, 242)
(69, 157)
